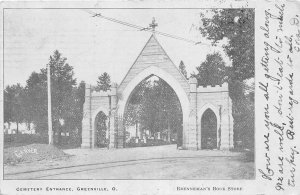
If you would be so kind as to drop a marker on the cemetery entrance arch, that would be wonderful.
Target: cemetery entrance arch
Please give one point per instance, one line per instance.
(171, 81)
(194, 101)
(146, 73)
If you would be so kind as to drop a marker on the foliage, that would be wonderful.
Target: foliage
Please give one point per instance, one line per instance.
(169, 108)
(29, 104)
(16, 140)
(243, 114)
(208, 130)
(237, 27)
(8, 105)
(212, 71)
(101, 129)
(182, 69)
(36, 101)
(14, 104)
(135, 105)
(79, 95)
(67, 99)
(155, 106)
(103, 83)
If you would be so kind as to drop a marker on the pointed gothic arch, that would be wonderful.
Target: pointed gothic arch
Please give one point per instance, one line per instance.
(216, 111)
(172, 82)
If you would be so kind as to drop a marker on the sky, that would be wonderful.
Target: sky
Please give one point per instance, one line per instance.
(93, 45)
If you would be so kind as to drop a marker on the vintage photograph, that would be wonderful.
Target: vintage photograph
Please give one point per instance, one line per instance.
(129, 94)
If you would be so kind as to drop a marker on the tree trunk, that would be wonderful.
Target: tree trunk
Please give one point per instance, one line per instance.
(169, 131)
(17, 128)
(59, 134)
(136, 129)
(80, 133)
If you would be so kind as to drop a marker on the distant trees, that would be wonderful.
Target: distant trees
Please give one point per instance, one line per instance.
(236, 26)
(182, 69)
(8, 105)
(136, 107)
(103, 83)
(212, 71)
(169, 108)
(62, 86)
(14, 104)
(155, 106)
(29, 104)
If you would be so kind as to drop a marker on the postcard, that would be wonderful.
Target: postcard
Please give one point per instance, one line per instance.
(150, 97)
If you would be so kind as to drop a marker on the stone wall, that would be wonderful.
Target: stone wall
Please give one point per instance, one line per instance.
(94, 103)
(201, 98)
(217, 99)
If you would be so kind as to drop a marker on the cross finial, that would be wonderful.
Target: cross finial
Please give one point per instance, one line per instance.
(153, 25)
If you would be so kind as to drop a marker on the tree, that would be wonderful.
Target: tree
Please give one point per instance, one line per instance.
(155, 106)
(18, 105)
(62, 92)
(62, 84)
(36, 101)
(74, 115)
(80, 98)
(237, 27)
(134, 110)
(182, 69)
(103, 83)
(169, 108)
(8, 105)
(14, 104)
(212, 71)
(234, 28)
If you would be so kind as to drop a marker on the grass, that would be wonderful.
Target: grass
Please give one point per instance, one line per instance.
(17, 140)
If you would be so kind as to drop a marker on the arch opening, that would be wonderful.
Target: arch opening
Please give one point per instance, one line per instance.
(153, 114)
(101, 128)
(209, 127)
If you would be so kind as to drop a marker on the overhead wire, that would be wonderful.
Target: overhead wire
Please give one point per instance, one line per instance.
(141, 28)
(114, 20)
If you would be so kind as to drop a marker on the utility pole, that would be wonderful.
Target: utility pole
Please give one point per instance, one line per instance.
(50, 132)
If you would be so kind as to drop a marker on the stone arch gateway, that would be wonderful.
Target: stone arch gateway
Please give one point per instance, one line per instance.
(153, 60)
(153, 70)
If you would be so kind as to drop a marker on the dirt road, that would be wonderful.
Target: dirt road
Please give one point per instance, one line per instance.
(160, 162)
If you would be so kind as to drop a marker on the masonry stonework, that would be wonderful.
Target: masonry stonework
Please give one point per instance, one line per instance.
(194, 101)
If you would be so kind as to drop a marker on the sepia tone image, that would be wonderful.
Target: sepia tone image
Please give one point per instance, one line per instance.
(129, 94)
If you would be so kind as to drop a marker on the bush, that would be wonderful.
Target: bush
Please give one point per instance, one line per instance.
(15, 140)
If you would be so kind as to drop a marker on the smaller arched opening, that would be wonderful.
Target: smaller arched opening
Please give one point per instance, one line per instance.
(101, 127)
(209, 130)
